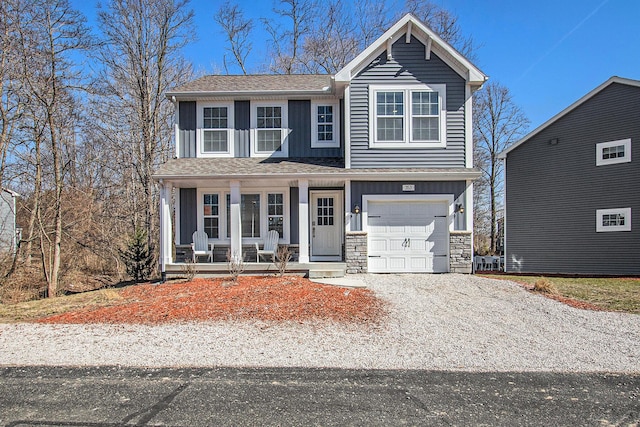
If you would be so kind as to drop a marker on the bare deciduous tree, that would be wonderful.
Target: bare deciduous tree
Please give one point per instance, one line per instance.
(498, 122)
(237, 30)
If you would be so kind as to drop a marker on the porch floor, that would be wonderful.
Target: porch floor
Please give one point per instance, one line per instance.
(310, 269)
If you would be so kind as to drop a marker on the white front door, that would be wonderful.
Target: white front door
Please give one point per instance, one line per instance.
(326, 225)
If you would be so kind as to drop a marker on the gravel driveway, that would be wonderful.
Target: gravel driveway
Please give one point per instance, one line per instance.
(439, 322)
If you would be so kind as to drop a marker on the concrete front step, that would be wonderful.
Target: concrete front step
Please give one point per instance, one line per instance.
(325, 273)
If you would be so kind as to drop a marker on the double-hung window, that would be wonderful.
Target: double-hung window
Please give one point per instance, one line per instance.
(275, 212)
(215, 124)
(211, 215)
(612, 152)
(407, 117)
(325, 125)
(270, 129)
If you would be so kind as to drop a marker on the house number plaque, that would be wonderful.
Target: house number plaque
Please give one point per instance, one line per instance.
(408, 187)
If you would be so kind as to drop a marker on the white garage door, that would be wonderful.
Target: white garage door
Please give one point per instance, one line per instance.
(408, 237)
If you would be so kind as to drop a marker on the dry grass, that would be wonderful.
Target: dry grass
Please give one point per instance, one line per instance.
(610, 294)
(544, 286)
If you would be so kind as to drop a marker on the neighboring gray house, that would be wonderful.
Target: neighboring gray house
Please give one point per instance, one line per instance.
(371, 167)
(572, 200)
(9, 233)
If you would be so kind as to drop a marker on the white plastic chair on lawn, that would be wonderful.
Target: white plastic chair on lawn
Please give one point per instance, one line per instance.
(201, 246)
(478, 262)
(270, 246)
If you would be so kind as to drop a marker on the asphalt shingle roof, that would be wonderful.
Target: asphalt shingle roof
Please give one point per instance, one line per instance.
(257, 83)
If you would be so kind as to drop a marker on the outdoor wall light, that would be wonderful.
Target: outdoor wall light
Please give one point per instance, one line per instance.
(460, 209)
(553, 141)
(356, 209)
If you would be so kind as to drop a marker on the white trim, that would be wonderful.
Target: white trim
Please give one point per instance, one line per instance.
(407, 90)
(626, 143)
(176, 214)
(235, 220)
(468, 126)
(347, 206)
(585, 98)
(468, 210)
(284, 129)
(335, 142)
(165, 227)
(625, 212)
(200, 106)
(504, 219)
(347, 127)
(176, 128)
(449, 55)
(303, 220)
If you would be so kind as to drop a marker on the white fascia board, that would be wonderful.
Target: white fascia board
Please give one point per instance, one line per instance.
(192, 96)
(470, 73)
(570, 108)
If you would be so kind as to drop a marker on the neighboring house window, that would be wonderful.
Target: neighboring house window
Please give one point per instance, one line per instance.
(211, 214)
(270, 124)
(407, 117)
(275, 212)
(613, 220)
(608, 153)
(325, 125)
(215, 130)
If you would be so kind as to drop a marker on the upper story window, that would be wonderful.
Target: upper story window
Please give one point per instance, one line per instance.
(608, 153)
(325, 125)
(407, 117)
(270, 124)
(215, 130)
(613, 220)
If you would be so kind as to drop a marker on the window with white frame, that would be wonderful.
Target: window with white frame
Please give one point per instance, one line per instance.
(215, 129)
(608, 153)
(325, 125)
(249, 214)
(407, 117)
(613, 220)
(211, 215)
(275, 212)
(269, 121)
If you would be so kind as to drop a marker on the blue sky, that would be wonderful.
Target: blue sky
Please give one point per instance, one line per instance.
(549, 53)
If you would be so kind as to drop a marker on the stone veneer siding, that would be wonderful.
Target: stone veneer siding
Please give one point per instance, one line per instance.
(460, 259)
(355, 244)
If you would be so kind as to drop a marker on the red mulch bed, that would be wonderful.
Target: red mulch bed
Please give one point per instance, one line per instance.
(288, 298)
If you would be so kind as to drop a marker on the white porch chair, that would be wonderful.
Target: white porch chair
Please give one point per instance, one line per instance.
(478, 262)
(270, 246)
(200, 246)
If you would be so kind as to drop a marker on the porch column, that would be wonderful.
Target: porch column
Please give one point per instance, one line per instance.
(236, 224)
(303, 215)
(166, 247)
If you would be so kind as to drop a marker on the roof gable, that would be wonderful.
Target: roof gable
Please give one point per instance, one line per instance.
(407, 26)
(579, 102)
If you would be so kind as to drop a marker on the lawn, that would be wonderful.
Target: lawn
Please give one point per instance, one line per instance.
(611, 294)
(288, 298)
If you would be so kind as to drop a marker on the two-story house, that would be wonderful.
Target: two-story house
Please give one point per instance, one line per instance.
(371, 166)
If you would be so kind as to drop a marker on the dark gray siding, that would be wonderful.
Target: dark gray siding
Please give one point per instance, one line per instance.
(188, 214)
(553, 191)
(360, 188)
(294, 199)
(187, 128)
(408, 66)
(300, 136)
(242, 121)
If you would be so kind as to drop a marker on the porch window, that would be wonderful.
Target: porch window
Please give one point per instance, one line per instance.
(211, 213)
(250, 214)
(407, 117)
(275, 212)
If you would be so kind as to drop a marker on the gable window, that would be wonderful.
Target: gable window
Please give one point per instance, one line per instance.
(270, 129)
(215, 130)
(211, 214)
(608, 153)
(613, 220)
(325, 125)
(407, 117)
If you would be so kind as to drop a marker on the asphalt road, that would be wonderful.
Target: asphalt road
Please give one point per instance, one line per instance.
(111, 396)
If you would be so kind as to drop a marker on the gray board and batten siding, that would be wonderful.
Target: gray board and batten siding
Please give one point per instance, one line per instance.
(553, 191)
(299, 117)
(408, 66)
